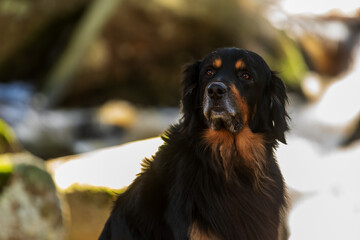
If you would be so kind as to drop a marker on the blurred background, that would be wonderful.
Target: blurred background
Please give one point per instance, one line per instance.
(78, 77)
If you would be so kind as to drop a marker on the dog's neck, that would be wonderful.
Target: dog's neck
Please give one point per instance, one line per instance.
(244, 149)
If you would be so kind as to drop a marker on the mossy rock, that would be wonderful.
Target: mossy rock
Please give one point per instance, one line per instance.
(93, 204)
(92, 181)
(6, 170)
(29, 203)
(8, 141)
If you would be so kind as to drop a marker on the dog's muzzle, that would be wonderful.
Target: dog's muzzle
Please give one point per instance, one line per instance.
(220, 108)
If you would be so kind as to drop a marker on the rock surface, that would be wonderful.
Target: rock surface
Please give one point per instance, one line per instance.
(91, 181)
(89, 208)
(327, 185)
(113, 167)
(29, 204)
(325, 199)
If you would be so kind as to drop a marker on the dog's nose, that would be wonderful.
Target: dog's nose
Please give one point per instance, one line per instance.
(216, 90)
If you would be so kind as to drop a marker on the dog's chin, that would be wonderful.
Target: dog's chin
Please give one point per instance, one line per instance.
(224, 121)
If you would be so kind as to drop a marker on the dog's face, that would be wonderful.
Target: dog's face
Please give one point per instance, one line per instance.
(232, 88)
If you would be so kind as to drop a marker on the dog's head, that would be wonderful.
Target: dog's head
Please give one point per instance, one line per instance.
(232, 88)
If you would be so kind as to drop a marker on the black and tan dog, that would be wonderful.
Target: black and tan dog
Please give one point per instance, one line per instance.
(216, 176)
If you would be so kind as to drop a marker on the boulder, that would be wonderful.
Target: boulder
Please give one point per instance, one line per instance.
(91, 181)
(140, 50)
(89, 207)
(83, 130)
(326, 202)
(113, 167)
(29, 203)
(323, 187)
(33, 35)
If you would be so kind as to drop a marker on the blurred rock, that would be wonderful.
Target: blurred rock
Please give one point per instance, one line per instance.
(113, 167)
(327, 42)
(51, 133)
(354, 137)
(15, 100)
(324, 186)
(118, 113)
(8, 140)
(55, 133)
(140, 52)
(29, 204)
(333, 118)
(312, 169)
(33, 34)
(145, 44)
(91, 181)
(327, 183)
(312, 86)
(89, 207)
(346, 8)
(135, 124)
(324, 216)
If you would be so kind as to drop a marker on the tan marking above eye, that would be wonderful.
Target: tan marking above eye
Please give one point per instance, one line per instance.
(240, 64)
(217, 63)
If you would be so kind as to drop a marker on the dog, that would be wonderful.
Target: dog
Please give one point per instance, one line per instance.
(216, 176)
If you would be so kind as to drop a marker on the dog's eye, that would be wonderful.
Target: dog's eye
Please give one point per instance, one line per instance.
(210, 72)
(245, 76)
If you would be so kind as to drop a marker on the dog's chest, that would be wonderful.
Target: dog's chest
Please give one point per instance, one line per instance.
(195, 233)
(232, 212)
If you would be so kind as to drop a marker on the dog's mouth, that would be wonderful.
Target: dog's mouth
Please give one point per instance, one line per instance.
(221, 107)
(220, 118)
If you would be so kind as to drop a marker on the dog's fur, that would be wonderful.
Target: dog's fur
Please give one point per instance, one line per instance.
(216, 176)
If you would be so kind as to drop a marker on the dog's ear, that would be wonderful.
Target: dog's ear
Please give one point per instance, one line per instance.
(189, 89)
(271, 115)
(278, 100)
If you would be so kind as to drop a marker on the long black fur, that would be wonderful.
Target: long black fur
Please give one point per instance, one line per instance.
(183, 185)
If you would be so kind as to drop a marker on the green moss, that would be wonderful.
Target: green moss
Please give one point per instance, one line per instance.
(6, 170)
(92, 189)
(293, 65)
(37, 180)
(8, 140)
(15, 8)
(288, 61)
(100, 196)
